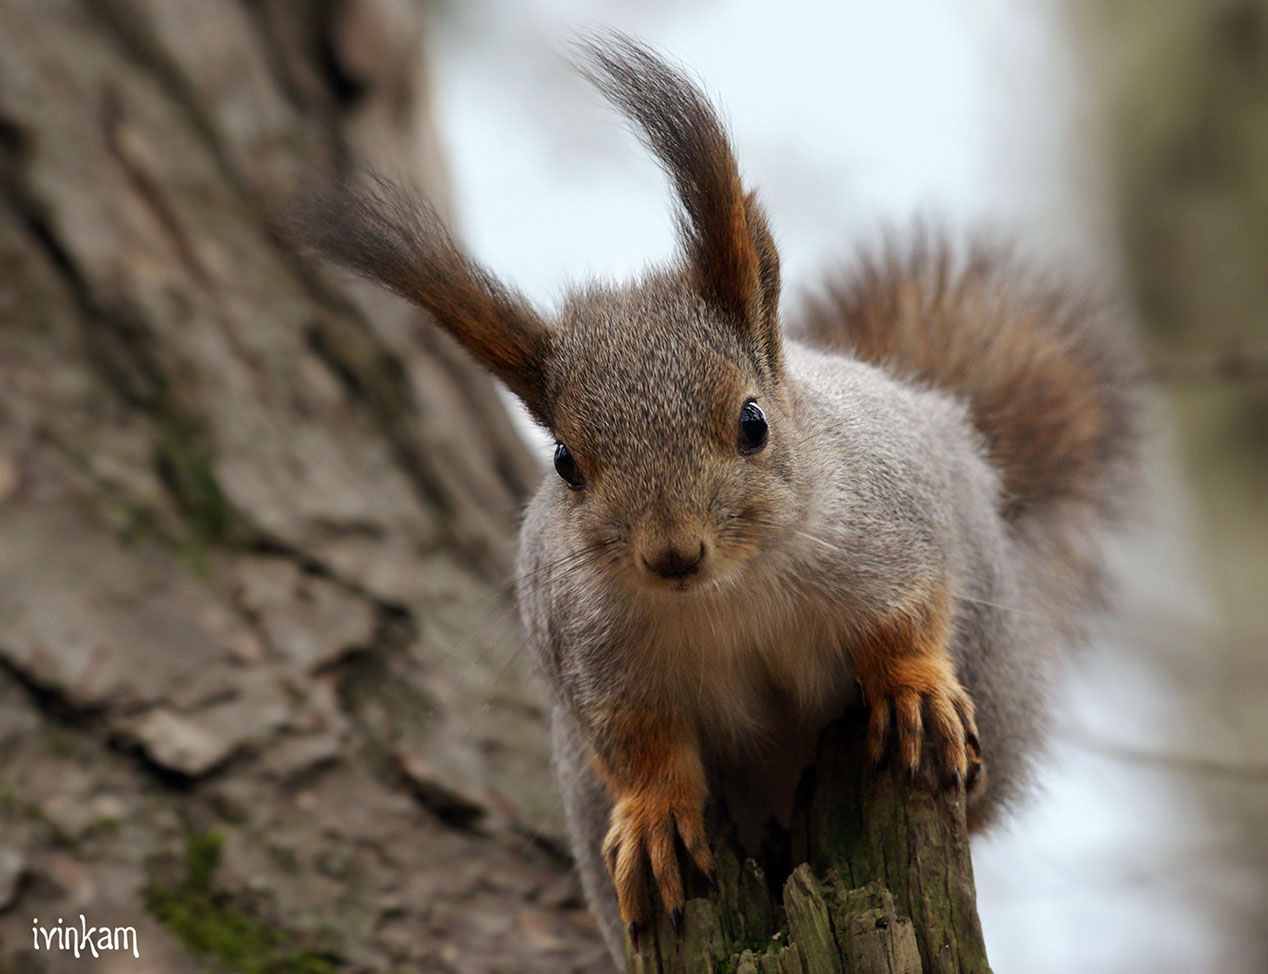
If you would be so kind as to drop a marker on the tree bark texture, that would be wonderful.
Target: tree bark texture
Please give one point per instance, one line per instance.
(261, 693)
(883, 883)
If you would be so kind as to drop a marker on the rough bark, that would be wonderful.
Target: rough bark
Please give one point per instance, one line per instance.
(260, 689)
(883, 883)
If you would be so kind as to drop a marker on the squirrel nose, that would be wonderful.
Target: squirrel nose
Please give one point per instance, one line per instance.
(672, 563)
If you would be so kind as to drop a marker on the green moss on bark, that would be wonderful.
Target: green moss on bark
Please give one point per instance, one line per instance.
(211, 928)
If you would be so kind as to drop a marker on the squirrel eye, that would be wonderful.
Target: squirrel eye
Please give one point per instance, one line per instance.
(566, 467)
(752, 428)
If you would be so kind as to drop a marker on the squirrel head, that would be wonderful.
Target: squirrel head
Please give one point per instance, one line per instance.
(666, 397)
(674, 439)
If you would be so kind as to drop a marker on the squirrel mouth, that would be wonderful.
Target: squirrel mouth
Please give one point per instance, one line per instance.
(673, 587)
(705, 580)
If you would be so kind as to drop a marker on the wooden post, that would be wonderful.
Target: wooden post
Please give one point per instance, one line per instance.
(876, 878)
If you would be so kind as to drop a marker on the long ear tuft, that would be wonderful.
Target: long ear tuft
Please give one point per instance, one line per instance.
(723, 230)
(394, 237)
(767, 262)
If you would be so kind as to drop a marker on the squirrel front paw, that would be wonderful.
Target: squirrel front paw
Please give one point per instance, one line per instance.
(644, 830)
(919, 697)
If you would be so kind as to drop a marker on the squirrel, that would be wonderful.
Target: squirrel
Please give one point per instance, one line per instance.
(895, 501)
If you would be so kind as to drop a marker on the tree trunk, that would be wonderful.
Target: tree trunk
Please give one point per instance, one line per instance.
(260, 689)
(884, 885)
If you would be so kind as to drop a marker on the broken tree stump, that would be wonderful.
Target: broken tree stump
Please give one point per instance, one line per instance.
(875, 877)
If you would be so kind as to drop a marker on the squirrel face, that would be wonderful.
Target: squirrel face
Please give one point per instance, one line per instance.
(675, 447)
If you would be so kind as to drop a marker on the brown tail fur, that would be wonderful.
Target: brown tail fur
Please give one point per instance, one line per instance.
(1047, 375)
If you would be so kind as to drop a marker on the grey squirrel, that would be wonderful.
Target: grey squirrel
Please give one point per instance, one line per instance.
(896, 500)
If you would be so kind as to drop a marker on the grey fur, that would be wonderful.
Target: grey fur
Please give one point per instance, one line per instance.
(886, 488)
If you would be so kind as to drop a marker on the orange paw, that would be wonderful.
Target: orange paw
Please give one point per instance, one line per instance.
(941, 710)
(643, 832)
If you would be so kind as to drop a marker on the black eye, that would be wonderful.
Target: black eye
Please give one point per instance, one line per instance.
(752, 428)
(566, 467)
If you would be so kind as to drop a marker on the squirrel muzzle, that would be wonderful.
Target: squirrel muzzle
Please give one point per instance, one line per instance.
(677, 555)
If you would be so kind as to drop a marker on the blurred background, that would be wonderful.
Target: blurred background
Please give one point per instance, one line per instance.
(261, 689)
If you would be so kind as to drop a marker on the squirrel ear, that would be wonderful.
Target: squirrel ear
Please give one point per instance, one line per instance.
(766, 317)
(724, 233)
(395, 237)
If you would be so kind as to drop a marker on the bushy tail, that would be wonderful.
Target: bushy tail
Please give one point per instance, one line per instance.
(1047, 373)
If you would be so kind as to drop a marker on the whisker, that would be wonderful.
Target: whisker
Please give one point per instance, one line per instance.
(577, 565)
(996, 605)
(508, 587)
(817, 540)
(533, 832)
(580, 552)
(962, 598)
(568, 564)
(572, 564)
(497, 679)
(581, 560)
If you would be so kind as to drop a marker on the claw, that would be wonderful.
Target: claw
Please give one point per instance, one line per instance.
(675, 919)
(640, 853)
(975, 773)
(939, 713)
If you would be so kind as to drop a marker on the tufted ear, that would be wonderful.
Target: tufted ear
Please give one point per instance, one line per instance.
(723, 230)
(387, 234)
(767, 265)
